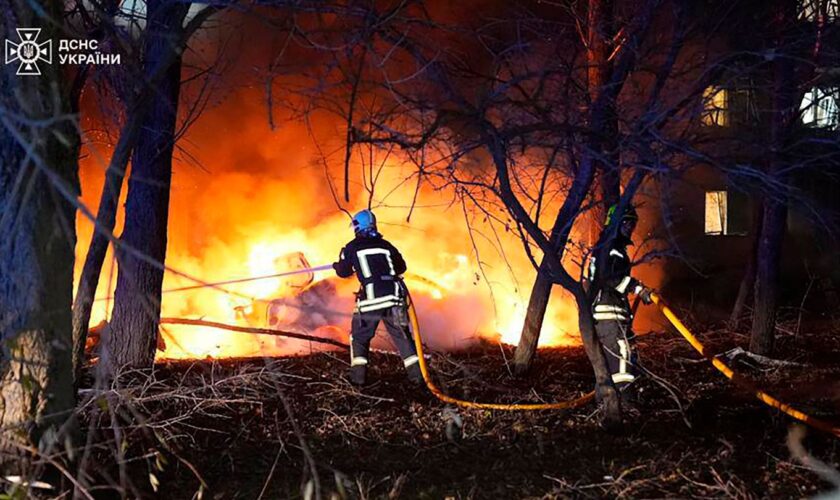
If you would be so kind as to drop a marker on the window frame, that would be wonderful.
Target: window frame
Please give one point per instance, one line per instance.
(716, 112)
(806, 10)
(722, 212)
(814, 114)
(734, 212)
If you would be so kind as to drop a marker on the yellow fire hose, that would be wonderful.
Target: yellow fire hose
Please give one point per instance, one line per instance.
(573, 403)
(424, 369)
(746, 384)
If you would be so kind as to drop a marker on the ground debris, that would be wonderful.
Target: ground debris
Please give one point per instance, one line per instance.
(227, 420)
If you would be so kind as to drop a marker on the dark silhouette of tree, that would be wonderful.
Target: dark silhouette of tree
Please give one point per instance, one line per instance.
(138, 102)
(518, 97)
(131, 340)
(796, 45)
(600, 44)
(39, 145)
(784, 116)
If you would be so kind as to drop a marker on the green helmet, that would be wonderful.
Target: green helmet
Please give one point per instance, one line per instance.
(629, 214)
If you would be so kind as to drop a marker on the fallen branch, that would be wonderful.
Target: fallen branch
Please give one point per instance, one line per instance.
(731, 354)
(248, 329)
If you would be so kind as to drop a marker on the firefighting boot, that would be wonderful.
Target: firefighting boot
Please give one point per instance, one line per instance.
(415, 376)
(358, 375)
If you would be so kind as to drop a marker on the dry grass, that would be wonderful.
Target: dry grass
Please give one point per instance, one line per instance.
(293, 427)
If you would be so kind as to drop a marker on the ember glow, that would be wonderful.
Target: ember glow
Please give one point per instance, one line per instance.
(257, 200)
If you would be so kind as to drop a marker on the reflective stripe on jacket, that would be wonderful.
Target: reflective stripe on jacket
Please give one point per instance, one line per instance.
(378, 265)
(611, 283)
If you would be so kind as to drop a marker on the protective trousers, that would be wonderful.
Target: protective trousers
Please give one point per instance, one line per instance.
(362, 332)
(618, 342)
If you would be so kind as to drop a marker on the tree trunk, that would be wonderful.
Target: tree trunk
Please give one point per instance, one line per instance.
(534, 316)
(601, 31)
(131, 339)
(106, 216)
(106, 219)
(559, 235)
(775, 203)
(767, 277)
(38, 185)
(601, 20)
(748, 280)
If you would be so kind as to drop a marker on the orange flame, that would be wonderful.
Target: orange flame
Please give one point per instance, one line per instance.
(259, 198)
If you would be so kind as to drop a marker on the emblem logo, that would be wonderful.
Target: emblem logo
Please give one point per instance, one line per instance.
(28, 51)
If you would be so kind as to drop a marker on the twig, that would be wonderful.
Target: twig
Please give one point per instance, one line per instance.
(81, 489)
(271, 472)
(245, 329)
(802, 306)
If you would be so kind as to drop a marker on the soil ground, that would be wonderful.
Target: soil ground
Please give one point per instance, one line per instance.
(260, 427)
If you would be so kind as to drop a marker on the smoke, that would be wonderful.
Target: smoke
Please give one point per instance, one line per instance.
(245, 197)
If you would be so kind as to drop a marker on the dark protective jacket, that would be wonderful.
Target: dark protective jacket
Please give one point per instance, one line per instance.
(378, 265)
(611, 282)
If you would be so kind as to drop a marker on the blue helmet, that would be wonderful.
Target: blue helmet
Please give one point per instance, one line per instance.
(364, 223)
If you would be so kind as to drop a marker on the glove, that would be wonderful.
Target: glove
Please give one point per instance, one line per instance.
(645, 295)
(341, 269)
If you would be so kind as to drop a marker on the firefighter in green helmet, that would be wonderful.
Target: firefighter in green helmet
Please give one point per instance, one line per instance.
(610, 284)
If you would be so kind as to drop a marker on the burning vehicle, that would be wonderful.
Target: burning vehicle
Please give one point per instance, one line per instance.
(301, 304)
(321, 307)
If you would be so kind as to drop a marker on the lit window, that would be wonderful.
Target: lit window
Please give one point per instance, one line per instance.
(820, 107)
(727, 213)
(810, 10)
(715, 106)
(716, 210)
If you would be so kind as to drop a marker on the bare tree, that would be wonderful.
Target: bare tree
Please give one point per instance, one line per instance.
(515, 98)
(797, 54)
(600, 46)
(132, 338)
(39, 145)
(106, 18)
(786, 96)
(149, 136)
(138, 102)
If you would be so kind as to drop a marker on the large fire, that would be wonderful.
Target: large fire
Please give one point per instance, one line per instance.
(248, 201)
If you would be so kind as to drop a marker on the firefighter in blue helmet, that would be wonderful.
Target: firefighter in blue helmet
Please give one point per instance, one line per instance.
(610, 283)
(382, 296)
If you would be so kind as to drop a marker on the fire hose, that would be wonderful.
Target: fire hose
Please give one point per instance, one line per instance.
(722, 367)
(573, 403)
(739, 380)
(424, 369)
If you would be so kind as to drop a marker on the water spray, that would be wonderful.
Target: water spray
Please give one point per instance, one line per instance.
(325, 267)
(217, 284)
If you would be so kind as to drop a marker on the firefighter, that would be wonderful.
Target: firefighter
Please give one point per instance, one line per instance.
(610, 283)
(379, 266)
